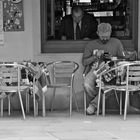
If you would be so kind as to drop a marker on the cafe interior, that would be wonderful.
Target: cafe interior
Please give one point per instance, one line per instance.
(42, 76)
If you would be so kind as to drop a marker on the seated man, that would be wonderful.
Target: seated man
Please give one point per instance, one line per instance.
(78, 25)
(91, 60)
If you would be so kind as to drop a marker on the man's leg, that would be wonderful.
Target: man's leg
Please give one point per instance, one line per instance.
(93, 103)
(94, 100)
(92, 91)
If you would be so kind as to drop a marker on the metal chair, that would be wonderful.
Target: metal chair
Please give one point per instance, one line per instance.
(10, 74)
(33, 74)
(63, 73)
(129, 72)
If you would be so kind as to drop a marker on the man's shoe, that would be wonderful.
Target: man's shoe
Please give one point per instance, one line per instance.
(91, 110)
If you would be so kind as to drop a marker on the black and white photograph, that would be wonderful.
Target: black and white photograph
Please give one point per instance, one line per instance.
(69, 70)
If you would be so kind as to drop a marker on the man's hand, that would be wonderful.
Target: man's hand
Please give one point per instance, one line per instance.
(100, 52)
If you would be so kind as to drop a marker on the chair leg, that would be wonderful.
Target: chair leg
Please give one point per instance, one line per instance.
(75, 99)
(116, 97)
(27, 103)
(126, 103)
(43, 105)
(70, 101)
(103, 105)
(34, 102)
(21, 103)
(9, 105)
(36, 108)
(1, 107)
(120, 103)
(98, 105)
(85, 103)
(53, 98)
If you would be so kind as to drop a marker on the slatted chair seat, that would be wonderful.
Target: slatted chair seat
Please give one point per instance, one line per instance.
(130, 88)
(121, 88)
(13, 88)
(58, 85)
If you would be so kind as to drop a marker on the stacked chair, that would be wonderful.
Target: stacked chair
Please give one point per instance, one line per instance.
(14, 79)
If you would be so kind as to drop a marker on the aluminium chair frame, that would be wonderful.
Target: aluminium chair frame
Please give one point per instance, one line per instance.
(17, 88)
(126, 88)
(33, 88)
(72, 92)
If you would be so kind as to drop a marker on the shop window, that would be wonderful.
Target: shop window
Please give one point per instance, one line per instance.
(121, 14)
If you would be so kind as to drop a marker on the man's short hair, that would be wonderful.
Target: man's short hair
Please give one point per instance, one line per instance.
(104, 28)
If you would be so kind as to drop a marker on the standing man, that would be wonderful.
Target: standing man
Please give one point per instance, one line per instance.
(91, 57)
(78, 25)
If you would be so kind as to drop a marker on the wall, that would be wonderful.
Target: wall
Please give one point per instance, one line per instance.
(18, 45)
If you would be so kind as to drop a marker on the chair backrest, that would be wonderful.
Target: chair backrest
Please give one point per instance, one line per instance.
(134, 73)
(116, 74)
(63, 71)
(10, 73)
(127, 73)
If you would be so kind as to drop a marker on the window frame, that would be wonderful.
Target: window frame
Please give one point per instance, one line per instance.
(72, 46)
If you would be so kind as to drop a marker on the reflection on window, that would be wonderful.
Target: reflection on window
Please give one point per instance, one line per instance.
(85, 1)
(116, 12)
(102, 14)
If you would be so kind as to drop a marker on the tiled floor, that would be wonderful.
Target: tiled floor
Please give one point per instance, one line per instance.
(59, 126)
